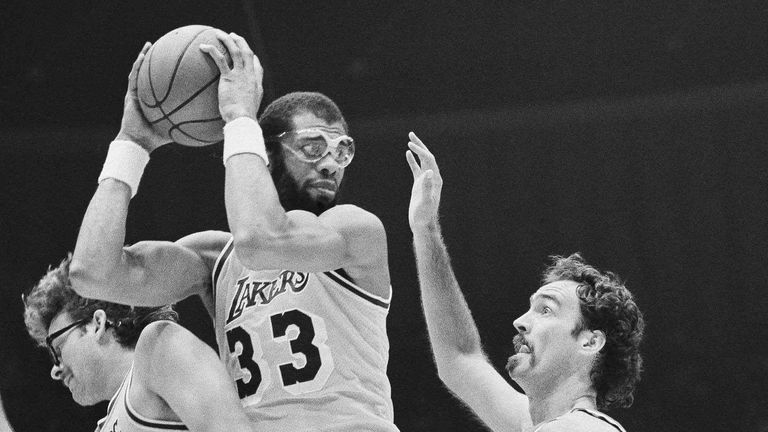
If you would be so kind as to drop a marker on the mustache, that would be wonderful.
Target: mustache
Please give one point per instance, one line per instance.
(294, 197)
(518, 341)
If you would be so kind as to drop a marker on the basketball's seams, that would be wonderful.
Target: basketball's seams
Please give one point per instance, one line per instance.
(178, 87)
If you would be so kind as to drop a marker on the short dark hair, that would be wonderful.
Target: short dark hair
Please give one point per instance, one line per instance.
(278, 115)
(54, 295)
(606, 305)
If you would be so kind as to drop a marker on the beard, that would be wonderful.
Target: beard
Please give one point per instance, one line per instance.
(512, 363)
(294, 197)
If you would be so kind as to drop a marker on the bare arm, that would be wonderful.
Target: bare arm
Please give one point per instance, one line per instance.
(5, 425)
(186, 373)
(148, 273)
(265, 235)
(456, 345)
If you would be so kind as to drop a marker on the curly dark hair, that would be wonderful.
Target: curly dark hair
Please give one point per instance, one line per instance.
(606, 305)
(54, 295)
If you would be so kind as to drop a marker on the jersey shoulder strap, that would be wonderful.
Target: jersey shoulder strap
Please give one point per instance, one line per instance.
(219, 265)
(601, 416)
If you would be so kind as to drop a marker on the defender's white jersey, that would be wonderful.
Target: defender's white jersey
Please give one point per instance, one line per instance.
(121, 417)
(308, 351)
(587, 420)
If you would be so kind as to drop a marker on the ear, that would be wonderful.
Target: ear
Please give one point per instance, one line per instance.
(271, 155)
(100, 318)
(593, 341)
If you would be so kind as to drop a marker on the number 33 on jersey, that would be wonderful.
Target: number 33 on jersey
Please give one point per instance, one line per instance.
(289, 337)
(290, 345)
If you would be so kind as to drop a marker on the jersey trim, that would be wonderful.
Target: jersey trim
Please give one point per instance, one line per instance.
(112, 401)
(343, 273)
(114, 398)
(343, 282)
(223, 256)
(153, 424)
(601, 417)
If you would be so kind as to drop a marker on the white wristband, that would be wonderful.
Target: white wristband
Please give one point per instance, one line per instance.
(125, 162)
(243, 135)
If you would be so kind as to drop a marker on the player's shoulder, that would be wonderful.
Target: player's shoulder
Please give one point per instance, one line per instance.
(160, 335)
(207, 244)
(582, 420)
(205, 240)
(163, 347)
(352, 216)
(349, 210)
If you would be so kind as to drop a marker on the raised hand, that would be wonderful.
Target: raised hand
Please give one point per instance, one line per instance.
(134, 126)
(240, 89)
(427, 185)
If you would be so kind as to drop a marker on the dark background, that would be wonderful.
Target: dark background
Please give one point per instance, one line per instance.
(634, 132)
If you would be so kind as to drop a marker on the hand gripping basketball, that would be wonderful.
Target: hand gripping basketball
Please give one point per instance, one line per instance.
(134, 127)
(177, 87)
(240, 89)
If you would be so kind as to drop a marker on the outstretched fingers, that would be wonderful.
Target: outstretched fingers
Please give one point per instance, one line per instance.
(412, 136)
(415, 168)
(417, 141)
(425, 156)
(426, 159)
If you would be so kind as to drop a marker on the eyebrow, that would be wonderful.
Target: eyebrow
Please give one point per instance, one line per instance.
(544, 296)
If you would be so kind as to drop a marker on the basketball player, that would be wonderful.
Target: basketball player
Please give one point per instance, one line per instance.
(156, 374)
(577, 347)
(299, 291)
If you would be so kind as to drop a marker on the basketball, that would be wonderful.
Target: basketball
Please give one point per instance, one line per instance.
(178, 87)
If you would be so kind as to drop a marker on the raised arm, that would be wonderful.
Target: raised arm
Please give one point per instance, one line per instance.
(147, 273)
(461, 363)
(5, 425)
(265, 235)
(183, 371)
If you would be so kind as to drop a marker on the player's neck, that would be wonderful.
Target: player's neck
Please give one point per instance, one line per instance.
(555, 401)
(119, 366)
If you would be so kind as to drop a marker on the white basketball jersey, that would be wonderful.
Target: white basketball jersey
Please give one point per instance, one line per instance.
(587, 420)
(121, 417)
(308, 351)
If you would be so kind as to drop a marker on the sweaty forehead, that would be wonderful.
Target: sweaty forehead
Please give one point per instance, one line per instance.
(307, 120)
(563, 292)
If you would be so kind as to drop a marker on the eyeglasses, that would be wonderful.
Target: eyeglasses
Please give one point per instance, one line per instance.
(49, 340)
(311, 145)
